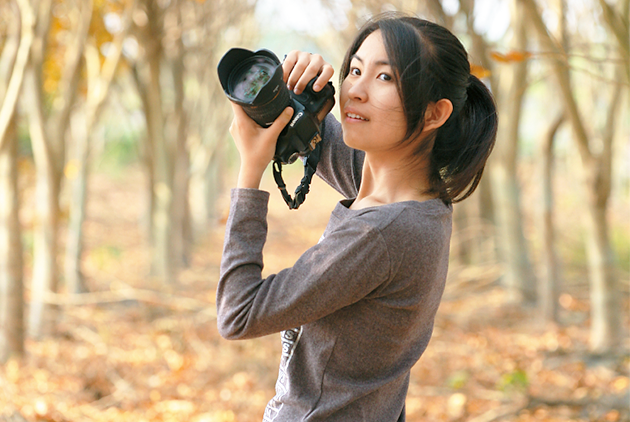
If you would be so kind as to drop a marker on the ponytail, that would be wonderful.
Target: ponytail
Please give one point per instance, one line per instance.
(463, 144)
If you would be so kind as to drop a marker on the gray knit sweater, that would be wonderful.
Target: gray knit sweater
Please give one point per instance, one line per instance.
(356, 310)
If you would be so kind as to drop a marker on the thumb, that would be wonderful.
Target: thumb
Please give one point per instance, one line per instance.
(282, 120)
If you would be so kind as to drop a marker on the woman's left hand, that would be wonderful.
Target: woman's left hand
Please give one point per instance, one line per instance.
(256, 145)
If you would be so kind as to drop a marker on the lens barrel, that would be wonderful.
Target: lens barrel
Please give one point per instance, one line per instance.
(254, 81)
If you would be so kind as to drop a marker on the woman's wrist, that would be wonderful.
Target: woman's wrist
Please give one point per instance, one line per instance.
(249, 179)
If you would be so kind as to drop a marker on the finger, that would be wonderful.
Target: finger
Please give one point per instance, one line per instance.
(239, 113)
(236, 109)
(324, 77)
(298, 69)
(280, 122)
(314, 68)
(242, 124)
(287, 64)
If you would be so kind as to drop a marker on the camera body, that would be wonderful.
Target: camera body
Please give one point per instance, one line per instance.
(254, 81)
(302, 133)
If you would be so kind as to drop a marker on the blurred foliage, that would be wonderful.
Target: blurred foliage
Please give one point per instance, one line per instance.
(513, 381)
(458, 380)
(119, 152)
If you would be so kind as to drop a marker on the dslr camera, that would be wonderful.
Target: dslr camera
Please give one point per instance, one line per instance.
(254, 80)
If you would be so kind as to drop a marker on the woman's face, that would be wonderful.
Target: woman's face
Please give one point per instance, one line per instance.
(372, 116)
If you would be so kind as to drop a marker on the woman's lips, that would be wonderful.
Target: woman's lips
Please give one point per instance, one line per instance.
(355, 116)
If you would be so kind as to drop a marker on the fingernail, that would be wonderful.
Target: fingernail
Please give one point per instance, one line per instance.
(290, 87)
(317, 87)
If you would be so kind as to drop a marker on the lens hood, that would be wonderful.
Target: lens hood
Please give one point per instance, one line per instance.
(233, 58)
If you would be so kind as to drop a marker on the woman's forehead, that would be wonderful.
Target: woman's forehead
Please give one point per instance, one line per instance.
(372, 49)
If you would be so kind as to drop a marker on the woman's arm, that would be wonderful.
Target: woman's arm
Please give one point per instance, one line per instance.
(345, 266)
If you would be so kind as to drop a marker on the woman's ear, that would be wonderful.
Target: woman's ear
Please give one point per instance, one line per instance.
(437, 114)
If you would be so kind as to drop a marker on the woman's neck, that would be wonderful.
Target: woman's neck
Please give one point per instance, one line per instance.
(386, 179)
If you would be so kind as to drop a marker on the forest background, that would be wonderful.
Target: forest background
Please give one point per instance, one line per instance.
(116, 163)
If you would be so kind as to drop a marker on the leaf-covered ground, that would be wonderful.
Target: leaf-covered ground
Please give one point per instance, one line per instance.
(158, 356)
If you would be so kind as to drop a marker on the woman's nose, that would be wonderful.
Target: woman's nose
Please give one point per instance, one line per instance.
(357, 90)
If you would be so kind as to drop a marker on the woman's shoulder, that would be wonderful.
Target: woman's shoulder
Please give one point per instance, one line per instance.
(401, 219)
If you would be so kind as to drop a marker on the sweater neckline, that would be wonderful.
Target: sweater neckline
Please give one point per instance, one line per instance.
(435, 204)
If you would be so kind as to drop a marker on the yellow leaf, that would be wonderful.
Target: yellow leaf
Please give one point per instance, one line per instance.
(479, 71)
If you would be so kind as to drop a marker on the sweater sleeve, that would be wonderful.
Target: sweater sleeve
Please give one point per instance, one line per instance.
(340, 166)
(345, 266)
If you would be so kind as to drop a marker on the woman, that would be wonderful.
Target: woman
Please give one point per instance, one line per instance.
(356, 310)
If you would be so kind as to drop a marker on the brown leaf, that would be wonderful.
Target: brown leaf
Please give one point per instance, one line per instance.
(510, 56)
(498, 57)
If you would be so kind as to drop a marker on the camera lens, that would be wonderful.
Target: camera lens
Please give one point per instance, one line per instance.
(250, 77)
(254, 80)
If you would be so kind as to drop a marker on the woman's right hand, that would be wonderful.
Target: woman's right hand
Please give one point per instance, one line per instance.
(300, 67)
(256, 145)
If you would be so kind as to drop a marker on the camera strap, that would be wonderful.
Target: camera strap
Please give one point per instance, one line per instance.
(310, 166)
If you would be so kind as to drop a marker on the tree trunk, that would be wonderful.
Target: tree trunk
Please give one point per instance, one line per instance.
(145, 149)
(161, 218)
(78, 181)
(181, 163)
(606, 321)
(11, 282)
(158, 152)
(605, 303)
(518, 275)
(99, 82)
(72, 259)
(208, 153)
(166, 134)
(206, 180)
(42, 316)
(549, 282)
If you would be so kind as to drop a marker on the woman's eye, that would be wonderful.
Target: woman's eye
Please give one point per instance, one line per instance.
(355, 72)
(385, 77)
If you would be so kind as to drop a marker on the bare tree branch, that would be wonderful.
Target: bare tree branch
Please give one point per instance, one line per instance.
(19, 68)
(561, 69)
(619, 27)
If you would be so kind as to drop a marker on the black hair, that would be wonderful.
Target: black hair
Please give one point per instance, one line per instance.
(429, 64)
